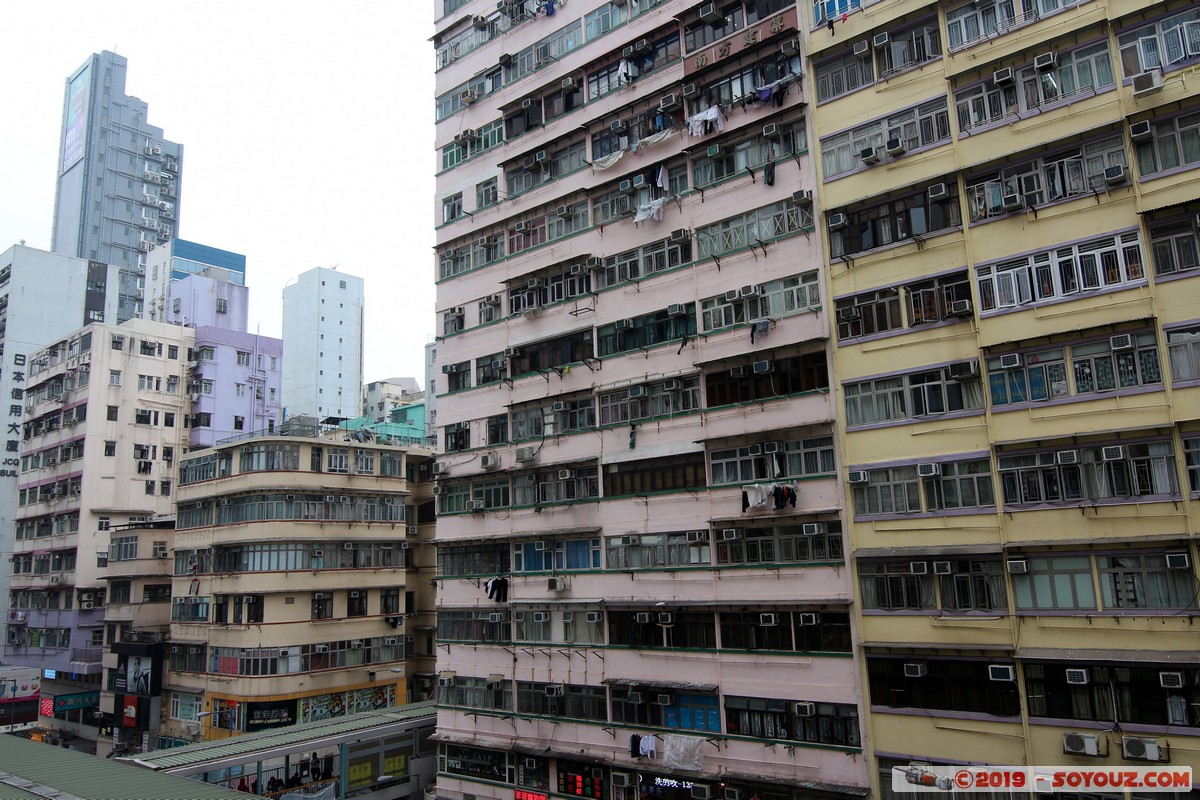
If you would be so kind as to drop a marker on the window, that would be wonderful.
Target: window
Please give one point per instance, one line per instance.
(486, 193)
(114, 377)
(665, 398)
(901, 220)
(1111, 472)
(1175, 143)
(1143, 581)
(222, 305)
(786, 632)
(843, 75)
(338, 460)
(1175, 247)
(1077, 74)
(643, 261)
(1088, 267)
(1079, 369)
(123, 548)
(824, 10)
(908, 48)
(781, 544)
(658, 550)
(322, 605)
(736, 158)
(1191, 449)
(1063, 582)
(186, 707)
(832, 723)
(1076, 172)
(655, 475)
(110, 448)
(923, 126)
(912, 396)
(961, 485)
(947, 686)
(971, 585)
(775, 299)
(888, 491)
(971, 24)
(1163, 44)
(790, 459)
(452, 207)
(761, 225)
(778, 377)
(1129, 693)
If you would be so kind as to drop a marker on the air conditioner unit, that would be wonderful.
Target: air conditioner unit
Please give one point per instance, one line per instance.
(1003, 77)
(357, 645)
(566, 474)
(870, 155)
(681, 235)
(541, 616)
(1170, 680)
(1138, 748)
(468, 96)
(814, 528)
(837, 221)
(917, 669)
(764, 367)
(849, 313)
(595, 616)
(1178, 561)
(665, 698)
(1002, 672)
(943, 568)
(321, 648)
(733, 793)
(701, 792)
(791, 47)
(803, 198)
(677, 310)
(803, 709)
(526, 453)
(643, 617)
(1012, 202)
(857, 476)
(930, 470)
(1081, 744)
(1112, 453)
(1147, 83)
(754, 450)
(439, 468)
(697, 536)
(768, 620)
(770, 130)
(862, 49)
(1114, 176)
(512, 352)
(555, 690)
(318, 596)
(625, 187)
(690, 90)
(1017, 566)
(569, 83)
(963, 370)
(918, 567)
(669, 102)
(1066, 457)
(739, 371)
(1077, 676)
(1045, 62)
(1011, 361)
(710, 13)
(446, 681)
(437, 490)
(1141, 131)
(895, 147)
(621, 780)
(556, 585)
(476, 505)
(665, 618)
(616, 126)
(751, 290)
(495, 616)
(1122, 341)
(960, 308)
(449, 369)
(730, 534)
(637, 391)
(87, 605)
(714, 151)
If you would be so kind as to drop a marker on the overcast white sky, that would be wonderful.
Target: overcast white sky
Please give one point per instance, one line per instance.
(307, 130)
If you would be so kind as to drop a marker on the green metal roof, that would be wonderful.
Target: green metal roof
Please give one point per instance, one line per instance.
(28, 769)
(249, 747)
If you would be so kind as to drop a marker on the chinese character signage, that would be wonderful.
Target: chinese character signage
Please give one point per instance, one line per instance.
(783, 22)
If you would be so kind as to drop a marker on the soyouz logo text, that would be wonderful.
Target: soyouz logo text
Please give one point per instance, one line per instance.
(922, 778)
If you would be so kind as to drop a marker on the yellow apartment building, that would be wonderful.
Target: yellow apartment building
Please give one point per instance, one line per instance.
(1010, 198)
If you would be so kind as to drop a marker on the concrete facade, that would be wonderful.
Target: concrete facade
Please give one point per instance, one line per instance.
(235, 380)
(1009, 198)
(323, 344)
(643, 586)
(43, 297)
(298, 593)
(177, 259)
(118, 178)
(104, 423)
(381, 397)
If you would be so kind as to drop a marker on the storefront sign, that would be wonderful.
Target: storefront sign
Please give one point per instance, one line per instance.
(74, 702)
(273, 714)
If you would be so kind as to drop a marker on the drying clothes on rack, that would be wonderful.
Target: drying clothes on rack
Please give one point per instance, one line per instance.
(649, 746)
(759, 328)
(652, 210)
(635, 746)
(496, 589)
(769, 173)
(768, 495)
(710, 120)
